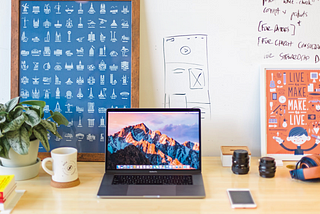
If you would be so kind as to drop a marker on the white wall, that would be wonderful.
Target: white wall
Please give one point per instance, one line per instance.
(5, 36)
(234, 57)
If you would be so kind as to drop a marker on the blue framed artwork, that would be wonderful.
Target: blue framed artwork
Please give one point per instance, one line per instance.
(80, 57)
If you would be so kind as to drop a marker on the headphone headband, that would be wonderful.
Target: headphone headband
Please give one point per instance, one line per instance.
(307, 168)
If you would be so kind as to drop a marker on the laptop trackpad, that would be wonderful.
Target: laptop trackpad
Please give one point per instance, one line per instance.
(151, 190)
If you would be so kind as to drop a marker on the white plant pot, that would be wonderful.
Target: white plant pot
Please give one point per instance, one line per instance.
(23, 172)
(22, 166)
(17, 160)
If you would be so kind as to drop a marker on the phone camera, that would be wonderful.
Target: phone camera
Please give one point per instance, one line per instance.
(240, 162)
(267, 167)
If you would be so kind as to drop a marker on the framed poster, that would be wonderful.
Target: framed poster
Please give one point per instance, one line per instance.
(290, 112)
(81, 57)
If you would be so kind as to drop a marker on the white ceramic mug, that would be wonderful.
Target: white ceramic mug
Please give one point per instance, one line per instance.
(64, 164)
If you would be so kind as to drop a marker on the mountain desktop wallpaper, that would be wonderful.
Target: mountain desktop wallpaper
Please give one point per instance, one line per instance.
(149, 139)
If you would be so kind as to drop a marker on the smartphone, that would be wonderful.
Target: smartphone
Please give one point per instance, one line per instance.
(241, 198)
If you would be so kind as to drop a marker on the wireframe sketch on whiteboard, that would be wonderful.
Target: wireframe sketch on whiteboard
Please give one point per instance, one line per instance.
(186, 73)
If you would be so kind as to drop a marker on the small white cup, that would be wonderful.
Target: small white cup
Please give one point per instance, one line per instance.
(64, 164)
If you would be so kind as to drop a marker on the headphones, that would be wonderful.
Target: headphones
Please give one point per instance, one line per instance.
(307, 168)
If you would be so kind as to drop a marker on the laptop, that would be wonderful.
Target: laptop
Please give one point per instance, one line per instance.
(152, 153)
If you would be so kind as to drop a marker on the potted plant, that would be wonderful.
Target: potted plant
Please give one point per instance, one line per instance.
(22, 126)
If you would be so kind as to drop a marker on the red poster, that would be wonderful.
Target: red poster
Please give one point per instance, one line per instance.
(292, 106)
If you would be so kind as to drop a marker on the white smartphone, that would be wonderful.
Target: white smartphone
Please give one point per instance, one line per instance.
(241, 198)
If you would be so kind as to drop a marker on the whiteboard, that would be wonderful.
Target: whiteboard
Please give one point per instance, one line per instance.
(241, 36)
(235, 52)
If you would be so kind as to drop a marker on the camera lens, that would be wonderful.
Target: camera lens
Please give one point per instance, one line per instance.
(267, 167)
(240, 162)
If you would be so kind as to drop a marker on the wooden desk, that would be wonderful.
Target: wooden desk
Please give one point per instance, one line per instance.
(280, 194)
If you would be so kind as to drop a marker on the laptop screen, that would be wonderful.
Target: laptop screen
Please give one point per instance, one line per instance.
(153, 139)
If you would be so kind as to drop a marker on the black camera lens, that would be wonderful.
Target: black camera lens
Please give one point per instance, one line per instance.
(267, 167)
(240, 162)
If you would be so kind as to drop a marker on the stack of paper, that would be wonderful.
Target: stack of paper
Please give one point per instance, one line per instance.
(7, 190)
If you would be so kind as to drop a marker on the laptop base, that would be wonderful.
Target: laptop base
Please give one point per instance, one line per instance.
(107, 190)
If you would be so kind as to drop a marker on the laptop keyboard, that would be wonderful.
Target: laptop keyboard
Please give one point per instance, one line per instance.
(152, 179)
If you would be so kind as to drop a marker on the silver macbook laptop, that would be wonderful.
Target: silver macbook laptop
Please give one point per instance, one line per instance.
(153, 153)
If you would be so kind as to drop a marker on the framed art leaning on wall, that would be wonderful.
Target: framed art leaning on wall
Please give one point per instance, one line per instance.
(81, 57)
(290, 111)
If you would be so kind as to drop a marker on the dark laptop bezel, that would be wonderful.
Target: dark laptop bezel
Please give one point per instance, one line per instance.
(158, 171)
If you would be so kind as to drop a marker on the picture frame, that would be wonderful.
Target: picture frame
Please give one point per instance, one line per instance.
(289, 111)
(105, 32)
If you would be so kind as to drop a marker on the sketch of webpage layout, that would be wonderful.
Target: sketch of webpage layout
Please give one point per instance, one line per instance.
(186, 73)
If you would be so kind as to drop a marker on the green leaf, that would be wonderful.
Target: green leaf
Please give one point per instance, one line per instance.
(14, 124)
(11, 104)
(19, 140)
(37, 109)
(2, 119)
(33, 118)
(59, 118)
(3, 113)
(58, 135)
(40, 103)
(41, 113)
(51, 126)
(41, 133)
(2, 107)
(16, 112)
(36, 105)
(4, 148)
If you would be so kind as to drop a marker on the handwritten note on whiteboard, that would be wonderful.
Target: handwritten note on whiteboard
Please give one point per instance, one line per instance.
(282, 26)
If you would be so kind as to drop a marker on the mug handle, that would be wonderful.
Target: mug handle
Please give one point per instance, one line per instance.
(43, 164)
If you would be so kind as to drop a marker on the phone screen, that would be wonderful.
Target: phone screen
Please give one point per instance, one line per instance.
(241, 198)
